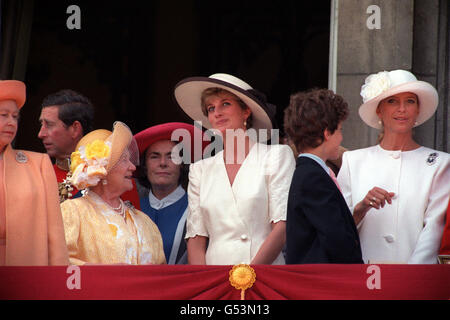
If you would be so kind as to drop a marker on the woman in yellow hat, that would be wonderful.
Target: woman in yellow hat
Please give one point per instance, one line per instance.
(31, 228)
(101, 228)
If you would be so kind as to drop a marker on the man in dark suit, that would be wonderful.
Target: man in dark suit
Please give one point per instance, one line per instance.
(319, 227)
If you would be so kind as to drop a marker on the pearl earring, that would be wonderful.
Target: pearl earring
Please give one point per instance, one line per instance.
(245, 123)
(104, 182)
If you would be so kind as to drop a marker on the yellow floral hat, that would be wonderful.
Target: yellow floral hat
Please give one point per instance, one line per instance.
(98, 152)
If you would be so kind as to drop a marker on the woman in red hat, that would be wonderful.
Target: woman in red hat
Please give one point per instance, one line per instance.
(162, 183)
(31, 226)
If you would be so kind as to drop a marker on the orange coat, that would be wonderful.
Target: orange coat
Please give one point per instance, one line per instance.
(34, 226)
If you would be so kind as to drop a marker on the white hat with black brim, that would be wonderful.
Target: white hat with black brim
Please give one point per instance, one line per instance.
(188, 94)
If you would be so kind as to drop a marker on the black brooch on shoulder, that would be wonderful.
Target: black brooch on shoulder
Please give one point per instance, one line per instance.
(432, 158)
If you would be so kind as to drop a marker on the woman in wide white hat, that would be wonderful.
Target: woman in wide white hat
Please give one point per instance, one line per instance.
(397, 190)
(237, 198)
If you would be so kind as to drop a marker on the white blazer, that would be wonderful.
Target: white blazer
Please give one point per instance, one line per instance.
(237, 219)
(410, 229)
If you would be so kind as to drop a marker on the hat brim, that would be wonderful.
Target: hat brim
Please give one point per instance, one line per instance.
(426, 93)
(99, 134)
(120, 140)
(188, 95)
(164, 131)
(13, 90)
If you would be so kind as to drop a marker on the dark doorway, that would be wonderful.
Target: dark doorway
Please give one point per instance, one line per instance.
(128, 56)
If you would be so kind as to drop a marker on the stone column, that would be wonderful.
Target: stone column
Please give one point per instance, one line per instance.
(430, 63)
(362, 51)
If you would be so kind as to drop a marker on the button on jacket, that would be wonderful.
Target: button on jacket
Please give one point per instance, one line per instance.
(237, 218)
(410, 229)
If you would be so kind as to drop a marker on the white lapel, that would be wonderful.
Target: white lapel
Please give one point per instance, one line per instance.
(242, 181)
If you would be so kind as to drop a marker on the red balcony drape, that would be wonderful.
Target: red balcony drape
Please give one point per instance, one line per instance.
(211, 282)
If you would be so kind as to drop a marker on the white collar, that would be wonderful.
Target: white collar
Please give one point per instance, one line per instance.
(317, 159)
(157, 204)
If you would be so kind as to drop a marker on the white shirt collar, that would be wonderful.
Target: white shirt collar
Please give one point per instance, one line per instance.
(317, 159)
(157, 204)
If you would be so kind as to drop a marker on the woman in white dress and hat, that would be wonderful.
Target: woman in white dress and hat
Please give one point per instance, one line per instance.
(397, 189)
(237, 198)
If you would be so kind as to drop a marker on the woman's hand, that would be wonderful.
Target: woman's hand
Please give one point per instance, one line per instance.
(272, 246)
(375, 198)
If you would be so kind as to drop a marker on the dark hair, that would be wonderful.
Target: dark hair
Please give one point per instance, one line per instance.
(215, 91)
(141, 173)
(310, 113)
(72, 106)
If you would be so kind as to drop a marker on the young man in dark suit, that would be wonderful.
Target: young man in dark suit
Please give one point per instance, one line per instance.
(319, 227)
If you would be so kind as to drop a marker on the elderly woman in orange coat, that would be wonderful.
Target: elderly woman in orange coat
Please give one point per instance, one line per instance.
(31, 227)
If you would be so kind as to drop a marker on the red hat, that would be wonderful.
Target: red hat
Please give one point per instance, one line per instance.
(164, 131)
(13, 90)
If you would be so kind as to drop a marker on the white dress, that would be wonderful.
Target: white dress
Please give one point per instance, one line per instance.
(410, 229)
(237, 219)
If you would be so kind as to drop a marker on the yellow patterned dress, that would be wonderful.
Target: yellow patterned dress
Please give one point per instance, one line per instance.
(99, 235)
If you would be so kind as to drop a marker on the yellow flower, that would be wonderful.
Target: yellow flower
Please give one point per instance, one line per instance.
(97, 149)
(242, 276)
(75, 160)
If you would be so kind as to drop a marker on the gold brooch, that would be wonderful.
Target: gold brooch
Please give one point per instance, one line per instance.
(65, 189)
(242, 277)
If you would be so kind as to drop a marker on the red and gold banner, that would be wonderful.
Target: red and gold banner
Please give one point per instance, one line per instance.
(294, 282)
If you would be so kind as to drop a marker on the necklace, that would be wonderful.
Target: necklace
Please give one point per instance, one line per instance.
(119, 209)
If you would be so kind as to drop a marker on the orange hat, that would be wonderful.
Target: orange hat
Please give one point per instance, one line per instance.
(13, 90)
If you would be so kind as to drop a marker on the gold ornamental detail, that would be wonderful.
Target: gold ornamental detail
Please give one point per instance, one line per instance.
(242, 277)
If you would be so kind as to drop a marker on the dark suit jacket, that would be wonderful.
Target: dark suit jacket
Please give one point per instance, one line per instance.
(319, 227)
